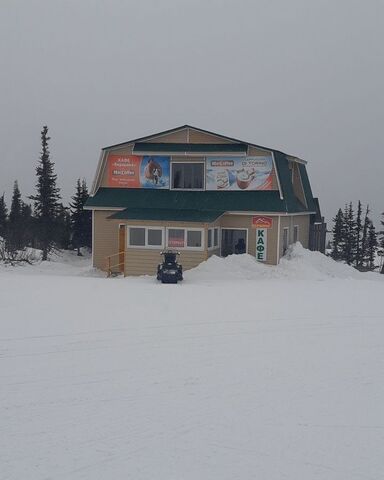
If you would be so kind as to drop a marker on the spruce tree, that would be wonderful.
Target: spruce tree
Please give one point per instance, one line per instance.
(3, 218)
(372, 246)
(350, 234)
(64, 228)
(338, 238)
(81, 219)
(382, 243)
(358, 234)
(364, 239)
(14, 239)
(46, 200)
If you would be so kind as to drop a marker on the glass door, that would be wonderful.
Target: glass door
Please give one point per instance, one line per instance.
(233, 241)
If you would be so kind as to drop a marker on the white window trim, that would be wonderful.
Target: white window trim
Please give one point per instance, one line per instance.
(146, 246)
(235, 228)
(214, 247)
(201, 248)
(203, 162)
(298, 230)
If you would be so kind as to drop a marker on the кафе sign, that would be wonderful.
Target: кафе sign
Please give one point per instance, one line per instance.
(262, 225)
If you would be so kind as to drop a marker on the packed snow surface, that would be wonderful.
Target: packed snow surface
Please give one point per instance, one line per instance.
(243, 371)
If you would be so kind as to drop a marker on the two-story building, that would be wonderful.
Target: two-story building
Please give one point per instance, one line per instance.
(202, 194)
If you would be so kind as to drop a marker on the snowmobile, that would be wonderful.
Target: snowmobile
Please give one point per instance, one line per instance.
(169, 271)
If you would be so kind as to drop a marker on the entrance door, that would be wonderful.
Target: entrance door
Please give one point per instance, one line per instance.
(233, 241)
(122, 230)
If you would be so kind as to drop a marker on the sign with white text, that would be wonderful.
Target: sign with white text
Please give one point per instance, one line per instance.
(261, 244)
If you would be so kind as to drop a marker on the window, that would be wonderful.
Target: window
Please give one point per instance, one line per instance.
(295, 233)
(155, 237)
(176, 237)
(193, 238)
(285, 239)
(213, 237)
(137, 237)
(188, 238)
(188, 176)
(145, 237)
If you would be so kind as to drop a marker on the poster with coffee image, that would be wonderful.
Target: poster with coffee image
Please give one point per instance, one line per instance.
(239, 173)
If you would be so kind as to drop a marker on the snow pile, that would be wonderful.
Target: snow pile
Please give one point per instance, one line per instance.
(298, 263)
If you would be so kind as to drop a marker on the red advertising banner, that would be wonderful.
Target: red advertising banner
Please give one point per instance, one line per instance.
(261, 222)
(124, 171)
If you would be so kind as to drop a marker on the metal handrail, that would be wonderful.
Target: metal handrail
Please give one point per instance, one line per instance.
(110, 267)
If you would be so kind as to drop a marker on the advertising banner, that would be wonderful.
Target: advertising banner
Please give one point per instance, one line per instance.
(259, 221)
(136, 171)
(261, 244)
(239, 173)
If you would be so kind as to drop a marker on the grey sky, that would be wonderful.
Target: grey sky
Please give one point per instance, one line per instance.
(303, 76)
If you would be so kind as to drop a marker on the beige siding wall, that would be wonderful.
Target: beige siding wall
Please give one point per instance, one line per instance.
(245, 221)
(289, 222)
(105, 238)
(201, 137)
(140, 261)
(176, 137)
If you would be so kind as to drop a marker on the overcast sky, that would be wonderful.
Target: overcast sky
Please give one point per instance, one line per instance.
(304, 76)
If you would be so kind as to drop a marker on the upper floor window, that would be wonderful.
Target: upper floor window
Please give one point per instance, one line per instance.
(188, 175)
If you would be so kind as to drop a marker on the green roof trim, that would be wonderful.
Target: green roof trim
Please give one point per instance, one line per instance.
(167, 214)
(307, 189)
(190, 147)
(216, 201)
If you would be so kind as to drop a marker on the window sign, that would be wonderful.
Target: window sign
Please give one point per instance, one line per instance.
(261, 244)
(176, 237)
(239, 173)
(136, 171)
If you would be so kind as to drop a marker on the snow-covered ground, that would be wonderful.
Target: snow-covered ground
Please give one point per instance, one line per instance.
(243, 371)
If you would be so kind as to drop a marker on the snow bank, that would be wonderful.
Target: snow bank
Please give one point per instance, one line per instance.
(298, 263)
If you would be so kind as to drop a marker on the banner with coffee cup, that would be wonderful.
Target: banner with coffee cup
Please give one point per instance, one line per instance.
(136, 171)
(239, 173)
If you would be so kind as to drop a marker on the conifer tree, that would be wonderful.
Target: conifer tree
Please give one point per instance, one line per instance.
(358, 233)
(27, 224)
(3, 217)
(350, 234)
(46, 200)
(64, 228)
(338, 237)
(14, 239)
(364, 239)
(372, 246)
(81, 219)
(382, 242)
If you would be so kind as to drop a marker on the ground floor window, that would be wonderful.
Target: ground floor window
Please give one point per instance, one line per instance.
(145, 237)
(213, 237)
(190, 238)
(285, 239)
(233, 241)
(295, 233)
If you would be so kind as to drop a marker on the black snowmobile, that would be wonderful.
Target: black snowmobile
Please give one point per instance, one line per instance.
(169, 271)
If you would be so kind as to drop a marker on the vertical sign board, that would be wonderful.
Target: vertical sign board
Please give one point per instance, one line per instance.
(261, 244)
(261, 224)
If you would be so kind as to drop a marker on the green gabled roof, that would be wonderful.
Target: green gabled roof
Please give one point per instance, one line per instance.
(207, 201)
(168, 214)
(190, 147)
(312, 207)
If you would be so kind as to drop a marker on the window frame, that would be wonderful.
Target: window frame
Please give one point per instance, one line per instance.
(296, 229)
(146, 228)
(178, 162)
(285, 248)
(199, 249)
(213, 246)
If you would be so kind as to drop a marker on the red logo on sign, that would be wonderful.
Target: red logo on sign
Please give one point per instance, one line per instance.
(262, 222)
